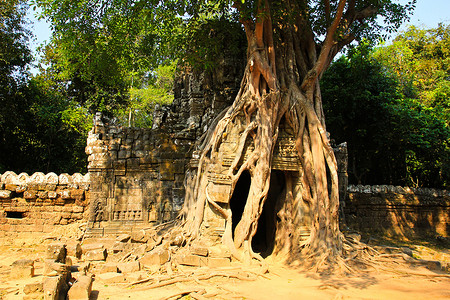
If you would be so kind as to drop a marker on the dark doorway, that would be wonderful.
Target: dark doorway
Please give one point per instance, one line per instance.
(15, 214)
(239, 198)
(264, 239)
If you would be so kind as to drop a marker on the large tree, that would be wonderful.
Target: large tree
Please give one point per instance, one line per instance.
(290, 44)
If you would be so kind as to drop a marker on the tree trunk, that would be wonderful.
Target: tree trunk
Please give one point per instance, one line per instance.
(280, 83)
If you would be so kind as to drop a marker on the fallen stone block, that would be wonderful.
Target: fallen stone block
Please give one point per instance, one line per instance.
(81, 289)
(123, 238)
(129, 267)
(201, 251)
(139, 237)
(136, 276)
(52, 268)
(23, 268)
(97, 254)
(111, 277)
(109, 267)
(218, 262)
(155, 257)
(56, 252)
(74, 249)
(192, 260)
(35, 287)
(55, 288)
(219, 251)
(90, 247)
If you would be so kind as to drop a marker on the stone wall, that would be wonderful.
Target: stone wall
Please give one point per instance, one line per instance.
(398, 211)
(137, 174)
(38, 202)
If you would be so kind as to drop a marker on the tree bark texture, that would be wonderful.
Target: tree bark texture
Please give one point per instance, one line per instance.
(280, 87)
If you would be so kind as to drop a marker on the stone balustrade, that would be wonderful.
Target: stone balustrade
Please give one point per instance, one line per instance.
(41, 201)
(398, 211)
(385, 189)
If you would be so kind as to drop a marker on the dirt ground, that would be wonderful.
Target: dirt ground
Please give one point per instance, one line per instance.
(396, 281)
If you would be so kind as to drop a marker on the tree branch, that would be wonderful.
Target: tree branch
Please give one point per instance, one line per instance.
(320, 64)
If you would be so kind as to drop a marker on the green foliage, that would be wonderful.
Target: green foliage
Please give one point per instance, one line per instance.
(139, 112)
(421, 59)
(392, 139)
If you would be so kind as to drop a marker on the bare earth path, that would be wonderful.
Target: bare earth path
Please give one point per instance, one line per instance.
(398, 282)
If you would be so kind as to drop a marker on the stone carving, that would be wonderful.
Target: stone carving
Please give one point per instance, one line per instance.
(65, 178)
(51, 178)
(9, 177)
(37, 178)
(22, 179)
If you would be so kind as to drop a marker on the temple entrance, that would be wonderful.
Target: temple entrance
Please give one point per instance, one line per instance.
(239, 198)
(264, 239)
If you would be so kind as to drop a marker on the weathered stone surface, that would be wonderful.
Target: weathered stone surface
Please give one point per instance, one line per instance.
(136, 276)
(97, 254)
(5, 194)
(81, 289)
(155, 257)
(192, 260)
(52, 268)
(201, 251)
(56, 252)
(111, 277)
(139, 236)
(55, 288)
(93, 246)
(218, 262)
(129, 267)
(219, 251)
(74, 249)
(35, 287)
(109, 268)
(23, 268)
(123, 238)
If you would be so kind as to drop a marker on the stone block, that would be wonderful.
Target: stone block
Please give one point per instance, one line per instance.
(56, 252)
(218, 262)
(52, 194)
(93, 246)
(155, 257)
(55, 288)
(192, 260)
(129, 267)
(52, 268)
(97, 254)
(111, 277)
(21, 188)
(74, 249)
(81, 289)
(42, 194)
(78, 194)
(65, 194)
(201, 251)
(136, 276)
(23, 268)
(109, 268)
(139, 236)
(220, 251)
(11, 187)
(123, 238)
(30, 194)
(5, 194)
(35, 287)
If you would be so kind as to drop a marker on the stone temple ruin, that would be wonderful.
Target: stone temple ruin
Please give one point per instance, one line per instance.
(136, 175)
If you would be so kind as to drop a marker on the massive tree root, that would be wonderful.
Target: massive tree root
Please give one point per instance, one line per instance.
(280, 85)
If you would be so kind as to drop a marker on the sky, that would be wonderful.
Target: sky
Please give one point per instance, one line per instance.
(428, 14)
